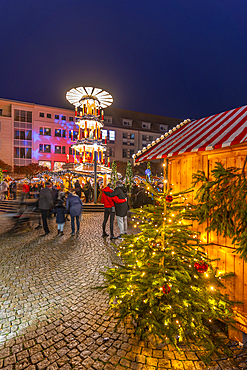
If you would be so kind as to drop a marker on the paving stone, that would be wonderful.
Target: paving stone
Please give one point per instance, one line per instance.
(5, 352)
(37, 357)
(10, 360)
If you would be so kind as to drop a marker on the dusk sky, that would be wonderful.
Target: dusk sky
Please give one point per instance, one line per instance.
(177, 58)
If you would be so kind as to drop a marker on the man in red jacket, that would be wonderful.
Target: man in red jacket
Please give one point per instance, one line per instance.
(109, 204)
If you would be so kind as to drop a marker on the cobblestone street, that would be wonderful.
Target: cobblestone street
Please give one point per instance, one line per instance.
(52, 318)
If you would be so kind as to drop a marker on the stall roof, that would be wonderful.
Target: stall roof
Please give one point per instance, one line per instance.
(217, 131)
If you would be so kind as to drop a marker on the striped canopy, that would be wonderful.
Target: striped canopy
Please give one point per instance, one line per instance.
(217, 131)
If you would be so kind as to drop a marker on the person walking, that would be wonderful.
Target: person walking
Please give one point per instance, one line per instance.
(60, 212)
(45, 205)
(74, 207)
(109, 209)
(121, 208)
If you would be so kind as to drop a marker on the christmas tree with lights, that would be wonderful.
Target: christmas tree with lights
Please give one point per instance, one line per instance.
(165, 282)
(1, 175)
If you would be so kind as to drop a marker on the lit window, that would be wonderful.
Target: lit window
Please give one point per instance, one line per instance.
(41, 114)
(41, 148)
(41, 131)
(57, 132)
(47, 148)
(111, 135)
(45, 164)
(47, 131)
(104, 134)
(57, 149)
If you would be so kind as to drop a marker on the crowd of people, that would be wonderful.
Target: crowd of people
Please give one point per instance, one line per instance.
(53, 200)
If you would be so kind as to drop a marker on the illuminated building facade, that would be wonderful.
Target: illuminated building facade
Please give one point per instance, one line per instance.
(33, 133)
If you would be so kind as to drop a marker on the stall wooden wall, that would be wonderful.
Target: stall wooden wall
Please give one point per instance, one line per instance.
(180, 172)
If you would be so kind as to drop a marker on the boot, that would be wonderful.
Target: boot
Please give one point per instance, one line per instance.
(61, 234)
(58, 232)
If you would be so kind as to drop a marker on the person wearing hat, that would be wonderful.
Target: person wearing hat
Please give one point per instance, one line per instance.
(45, 205)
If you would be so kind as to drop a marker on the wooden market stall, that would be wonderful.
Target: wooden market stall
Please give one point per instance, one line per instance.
(198, 145)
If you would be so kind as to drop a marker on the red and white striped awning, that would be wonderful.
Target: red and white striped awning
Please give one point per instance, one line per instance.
(217, 131)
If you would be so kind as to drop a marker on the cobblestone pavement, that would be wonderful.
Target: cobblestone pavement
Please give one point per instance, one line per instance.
(51, 318)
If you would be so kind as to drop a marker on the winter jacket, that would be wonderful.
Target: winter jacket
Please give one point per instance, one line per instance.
(74, 205)
(121, 193)
(60, 211)
(110, 202)
(45, 198)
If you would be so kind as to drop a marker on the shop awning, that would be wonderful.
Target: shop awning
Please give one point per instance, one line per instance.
(217, 131)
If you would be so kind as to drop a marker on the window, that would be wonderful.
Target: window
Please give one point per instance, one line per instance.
(1, 112)
(28, 134)
(163, 128)
(29, 116)
(23, 116)
(56, 116)
(71, 119)
(58, 132)
(48, 115)
(112, 135)
(132, 139)
(16, 152)
(63, 149)
(131, 153)
(104, 134)
(70, 150)
(57, 149)
(45, 164)
(111, 152)
(75, 135)
(58, 165)
(41, 131)
(125, 138)
(151, 138)
(47, 148)
(63, 133)
(146, 125)
(127, 122)
(63, 118)
(47, 131)
(22, 153)
(144, 137)
(108, 119)
(19, 135)
(41, 148)
(41, 114)
(124, 153)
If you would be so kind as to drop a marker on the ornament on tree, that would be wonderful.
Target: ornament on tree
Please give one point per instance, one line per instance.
(169, 198)
(201, 267)
(166, 289)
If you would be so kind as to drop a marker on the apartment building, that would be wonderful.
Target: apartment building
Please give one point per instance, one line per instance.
(33, 133)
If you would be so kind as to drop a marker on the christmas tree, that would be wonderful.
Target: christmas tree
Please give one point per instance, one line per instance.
(1, 175)
(114, 175)
(129, 176)
(222, 202)
(165, 281)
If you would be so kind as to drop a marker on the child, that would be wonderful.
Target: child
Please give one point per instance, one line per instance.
(60, 210)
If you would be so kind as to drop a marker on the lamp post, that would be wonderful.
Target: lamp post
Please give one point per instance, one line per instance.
(95, 148)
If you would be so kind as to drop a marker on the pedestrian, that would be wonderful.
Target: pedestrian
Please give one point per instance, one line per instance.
(121, 208)
(60, 212)
(87, 189)
(5, 187)
(45, 205)
(74, 207)
(78, 188)
(109, 209)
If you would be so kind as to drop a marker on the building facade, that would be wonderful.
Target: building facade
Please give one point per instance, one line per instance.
(32, 133)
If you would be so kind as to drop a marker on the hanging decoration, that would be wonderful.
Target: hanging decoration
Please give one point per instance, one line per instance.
(201, 267)
(169, 198)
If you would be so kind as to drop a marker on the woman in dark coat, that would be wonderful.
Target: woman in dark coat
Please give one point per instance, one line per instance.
(74, 207)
